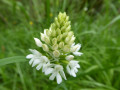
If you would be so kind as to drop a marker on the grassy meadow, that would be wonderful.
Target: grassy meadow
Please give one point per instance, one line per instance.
(96, 25)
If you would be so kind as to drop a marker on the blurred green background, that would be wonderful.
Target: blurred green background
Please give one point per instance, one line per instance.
(96, 24)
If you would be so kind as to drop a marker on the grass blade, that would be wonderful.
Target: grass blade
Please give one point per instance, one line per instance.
(12, 60)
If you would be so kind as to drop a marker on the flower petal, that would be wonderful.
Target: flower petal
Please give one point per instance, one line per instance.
(77, 53)
(37, 61)
(44, 58)
(52, 76)
(76, 70)
(48, 71)
(59, 79)
(72, 44)
(38, 42)
(31, 61)
(78, 66)
(79, 46)
(63, 74)
(35, 52)
(73, 73)
(68, 69)
(29, 56)
(39, 66)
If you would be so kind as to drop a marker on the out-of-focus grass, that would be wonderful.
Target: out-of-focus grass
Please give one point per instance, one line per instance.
(97, 29)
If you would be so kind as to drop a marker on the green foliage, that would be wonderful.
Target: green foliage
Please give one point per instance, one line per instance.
(12, 60)
(97, 29)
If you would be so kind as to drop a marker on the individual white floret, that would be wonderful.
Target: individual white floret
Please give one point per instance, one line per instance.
(72, 67)
(75, 49)
(58, 73)
(43, 61)
(35, 56)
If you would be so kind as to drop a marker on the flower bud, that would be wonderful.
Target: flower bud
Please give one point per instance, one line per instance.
(55, 47)
(60, 17)
(70, 33)
(54, 40)
(67, 18)
(68, 28)
(59, 37)
(67, 24)
(67, 39)
(42, 36)
(53, 33)
(70, 43)
(58, 31)
(71, 40)
(66, 48)
(70, 57)
(47, 40)
(48, 32)
(56, 53)
(38, 42)
(56, 22)
(53, 27)
(64, 34)
(63, 28)
(45, 47)
(64, 15)
(61, 44)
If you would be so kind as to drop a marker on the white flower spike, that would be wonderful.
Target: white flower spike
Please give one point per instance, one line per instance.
(58, 48)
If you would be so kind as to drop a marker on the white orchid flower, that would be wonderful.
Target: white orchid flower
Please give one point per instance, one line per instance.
(75, 49)
(72, 67)
(35, 56)
(58, 73)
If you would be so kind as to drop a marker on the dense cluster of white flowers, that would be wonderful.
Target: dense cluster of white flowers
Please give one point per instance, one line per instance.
(59, 50)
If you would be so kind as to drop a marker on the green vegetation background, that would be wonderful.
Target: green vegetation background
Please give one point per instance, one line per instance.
(96, 24)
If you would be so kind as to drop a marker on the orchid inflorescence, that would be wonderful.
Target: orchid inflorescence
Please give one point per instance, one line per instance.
(59, 50)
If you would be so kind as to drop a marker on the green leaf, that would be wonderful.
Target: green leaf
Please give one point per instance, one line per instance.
(15, 59)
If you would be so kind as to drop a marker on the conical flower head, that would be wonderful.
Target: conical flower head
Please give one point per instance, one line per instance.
(59, 48)
(59, 36)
